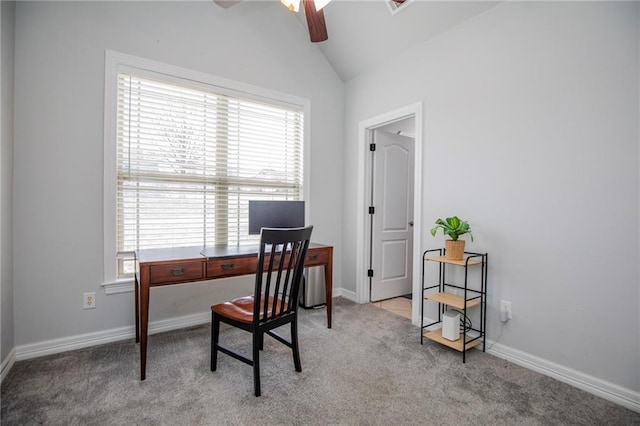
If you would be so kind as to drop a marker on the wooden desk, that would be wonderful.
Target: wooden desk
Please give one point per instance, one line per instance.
(159, 267)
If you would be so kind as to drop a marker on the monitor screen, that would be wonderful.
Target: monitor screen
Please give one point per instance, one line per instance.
(275, 214)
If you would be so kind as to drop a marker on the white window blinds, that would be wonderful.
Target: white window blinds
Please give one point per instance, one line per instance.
(189, 159)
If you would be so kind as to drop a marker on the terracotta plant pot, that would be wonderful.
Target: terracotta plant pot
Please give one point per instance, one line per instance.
(454, 250)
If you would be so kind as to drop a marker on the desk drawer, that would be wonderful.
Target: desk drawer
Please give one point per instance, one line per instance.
(219, 268)
(175, 272)
(316, 257)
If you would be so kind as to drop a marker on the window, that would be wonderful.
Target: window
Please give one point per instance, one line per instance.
(189, 155)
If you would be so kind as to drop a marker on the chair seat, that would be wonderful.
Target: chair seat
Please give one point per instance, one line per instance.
(241, 309)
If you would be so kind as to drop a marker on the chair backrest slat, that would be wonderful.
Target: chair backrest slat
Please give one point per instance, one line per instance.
(279, 274)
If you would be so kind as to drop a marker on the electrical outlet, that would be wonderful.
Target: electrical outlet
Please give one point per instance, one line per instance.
(505, 311)
(89, 300)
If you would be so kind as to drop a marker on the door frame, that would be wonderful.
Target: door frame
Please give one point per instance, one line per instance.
(365, 131)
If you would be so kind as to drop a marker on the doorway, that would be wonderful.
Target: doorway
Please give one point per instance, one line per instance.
(391, 210)
(389, 185)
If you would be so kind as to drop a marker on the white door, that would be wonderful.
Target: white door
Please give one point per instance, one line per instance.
(392, 220)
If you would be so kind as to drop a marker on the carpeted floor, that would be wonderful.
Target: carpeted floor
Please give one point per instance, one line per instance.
(370, 369)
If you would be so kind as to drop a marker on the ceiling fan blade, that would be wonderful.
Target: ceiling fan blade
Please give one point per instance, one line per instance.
(315, 21)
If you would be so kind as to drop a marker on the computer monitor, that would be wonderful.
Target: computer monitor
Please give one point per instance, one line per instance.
(275, 214)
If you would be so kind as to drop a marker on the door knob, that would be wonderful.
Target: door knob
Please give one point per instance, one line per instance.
(411, 223)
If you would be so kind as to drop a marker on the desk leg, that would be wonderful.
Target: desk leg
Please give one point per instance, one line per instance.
(144, 321)
(136, 290)
(328, 274)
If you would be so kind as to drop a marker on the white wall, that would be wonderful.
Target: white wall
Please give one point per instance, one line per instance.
(59, 102)
(531, 134)
(7, 14)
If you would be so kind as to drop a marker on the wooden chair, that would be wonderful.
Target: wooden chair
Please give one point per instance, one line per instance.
(275, 300)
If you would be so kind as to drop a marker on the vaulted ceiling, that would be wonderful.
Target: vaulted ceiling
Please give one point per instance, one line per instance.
(364, 33)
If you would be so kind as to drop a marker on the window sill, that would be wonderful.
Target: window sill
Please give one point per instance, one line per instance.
(119, 286)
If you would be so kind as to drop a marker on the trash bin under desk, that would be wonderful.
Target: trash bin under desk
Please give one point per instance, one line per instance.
(313, 291)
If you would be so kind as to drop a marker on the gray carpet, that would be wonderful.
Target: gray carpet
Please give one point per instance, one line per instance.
(370, 369)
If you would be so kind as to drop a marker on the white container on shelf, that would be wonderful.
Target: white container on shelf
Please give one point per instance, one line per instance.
(451, 325)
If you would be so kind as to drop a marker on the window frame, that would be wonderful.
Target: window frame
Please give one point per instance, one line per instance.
(116, 62)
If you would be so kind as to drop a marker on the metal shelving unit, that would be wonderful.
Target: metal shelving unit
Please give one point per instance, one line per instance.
(471, 297)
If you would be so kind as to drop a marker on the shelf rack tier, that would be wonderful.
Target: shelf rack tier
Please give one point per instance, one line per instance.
(452, 300)
(463, 262)
(436, 335)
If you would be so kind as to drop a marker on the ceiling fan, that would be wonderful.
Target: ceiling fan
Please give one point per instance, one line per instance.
(312, 10)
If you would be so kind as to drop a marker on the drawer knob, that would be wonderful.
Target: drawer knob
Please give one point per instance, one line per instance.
(313, 257)
(227, 266)
(177, 272)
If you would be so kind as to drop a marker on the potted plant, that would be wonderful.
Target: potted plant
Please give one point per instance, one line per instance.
(453, 227)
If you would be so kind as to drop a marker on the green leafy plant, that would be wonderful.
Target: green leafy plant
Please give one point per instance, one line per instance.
(453, 227)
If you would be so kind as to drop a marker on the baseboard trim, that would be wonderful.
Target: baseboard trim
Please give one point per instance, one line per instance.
(617, 394)
(55, 346)
(347, 294)
(606, 390)
(7, 363)
(601, 388)
(50, 347)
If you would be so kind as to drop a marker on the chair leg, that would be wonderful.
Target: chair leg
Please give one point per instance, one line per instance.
(257, 340)
(215, 333)
(294, 345)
